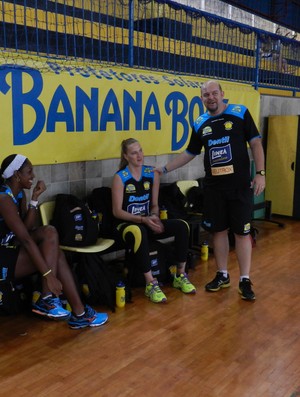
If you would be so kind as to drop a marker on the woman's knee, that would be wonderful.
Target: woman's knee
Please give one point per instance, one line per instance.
(181, 228)
(47, 233)
(135, 236)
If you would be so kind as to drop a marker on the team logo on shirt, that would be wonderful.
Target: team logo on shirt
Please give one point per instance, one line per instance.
(125, 173)
(147, 185)
(148, 170)
(206, 130)
(199, 119)
(247, 227)
(130, 188)
(228, 125)
(236, 109)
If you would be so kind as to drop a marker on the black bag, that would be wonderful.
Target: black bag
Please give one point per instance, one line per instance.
(98, 281)
(159, 265)
(195, 199)
(14, 297)
(100, 201)
(171, 197)
(75, 224)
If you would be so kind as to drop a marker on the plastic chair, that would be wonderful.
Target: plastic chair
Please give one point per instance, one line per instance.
(185, 185)
(102, 244)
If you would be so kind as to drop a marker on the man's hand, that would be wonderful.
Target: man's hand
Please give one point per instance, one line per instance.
(258, 184)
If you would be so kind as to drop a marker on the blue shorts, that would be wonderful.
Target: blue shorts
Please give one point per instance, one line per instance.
(8, 260)
(227, 209)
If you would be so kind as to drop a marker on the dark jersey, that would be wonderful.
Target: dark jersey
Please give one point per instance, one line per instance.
(7, 237)
(224, 138)
(137, 196)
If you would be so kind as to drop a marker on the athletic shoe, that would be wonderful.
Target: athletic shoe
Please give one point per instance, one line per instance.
(218, 282)
(90, 318)
(183, 283)
(154, 293)
(245, 290)
(50, 307)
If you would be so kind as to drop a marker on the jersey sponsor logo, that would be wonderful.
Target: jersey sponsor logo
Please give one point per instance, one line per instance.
(213, 142)
(147, 185)
(228, 125)
(130, 188)
(139, 208)
(7, 239)
(226, 170)
(145, 197)
(220, 155)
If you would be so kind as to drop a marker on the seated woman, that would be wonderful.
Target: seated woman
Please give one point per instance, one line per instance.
(135, 190)
(26, 249)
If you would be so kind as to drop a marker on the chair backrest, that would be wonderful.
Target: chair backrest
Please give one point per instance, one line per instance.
(185, 185)
(46, 211)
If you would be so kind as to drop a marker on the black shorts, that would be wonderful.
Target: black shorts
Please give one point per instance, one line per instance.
(8, 260)
(228, 209)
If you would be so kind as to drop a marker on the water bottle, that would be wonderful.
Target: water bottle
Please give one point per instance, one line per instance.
(163, 213)
(120, 294)
(94, 215)
(35, 296)
(204, 251)
(85, 289)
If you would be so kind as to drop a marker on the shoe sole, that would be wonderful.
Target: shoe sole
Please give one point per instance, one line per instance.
(217, 289)
(53, 317)
(164, 300)
(88, 325)
(185, 292)
(245, 298)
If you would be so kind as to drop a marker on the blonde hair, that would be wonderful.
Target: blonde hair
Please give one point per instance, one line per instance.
(124, 148)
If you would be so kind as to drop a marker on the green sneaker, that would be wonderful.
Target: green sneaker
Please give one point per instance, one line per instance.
(183, 283)
(154, 293)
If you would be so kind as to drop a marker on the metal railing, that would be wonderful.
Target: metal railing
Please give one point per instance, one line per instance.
(149, 34)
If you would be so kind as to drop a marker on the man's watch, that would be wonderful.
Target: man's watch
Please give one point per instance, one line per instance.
(261, 172)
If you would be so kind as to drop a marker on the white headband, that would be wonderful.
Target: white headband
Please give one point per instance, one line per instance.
(15, 165)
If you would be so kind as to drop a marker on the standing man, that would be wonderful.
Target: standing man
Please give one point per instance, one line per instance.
(224, 131)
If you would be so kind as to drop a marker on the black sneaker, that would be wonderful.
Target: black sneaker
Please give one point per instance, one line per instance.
(218, 282)
(245, 290)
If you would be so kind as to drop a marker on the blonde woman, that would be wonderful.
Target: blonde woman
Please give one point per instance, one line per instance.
(135, 190)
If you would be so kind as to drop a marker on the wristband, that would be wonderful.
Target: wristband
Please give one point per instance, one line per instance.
(164, 170)
(33, 203)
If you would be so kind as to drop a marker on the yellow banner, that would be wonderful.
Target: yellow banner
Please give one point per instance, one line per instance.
(56, 113)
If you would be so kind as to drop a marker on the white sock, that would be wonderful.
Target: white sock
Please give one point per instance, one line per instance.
(224, 272)
(245, 276)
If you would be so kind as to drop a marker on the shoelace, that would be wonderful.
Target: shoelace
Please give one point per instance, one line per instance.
(186, 280)
(155, 288)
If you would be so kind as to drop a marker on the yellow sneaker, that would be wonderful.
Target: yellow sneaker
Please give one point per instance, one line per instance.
(154, 293)
(183, 283)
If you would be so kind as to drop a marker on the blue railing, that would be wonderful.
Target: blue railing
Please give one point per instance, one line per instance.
(152, 34)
